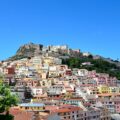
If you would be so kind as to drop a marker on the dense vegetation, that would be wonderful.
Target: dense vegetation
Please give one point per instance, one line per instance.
(6, 117)
(99, 65)
(7, 99)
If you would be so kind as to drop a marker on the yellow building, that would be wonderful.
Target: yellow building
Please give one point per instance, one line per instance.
(106, 89)
(103, 89)
(32, 106)
(114, 89)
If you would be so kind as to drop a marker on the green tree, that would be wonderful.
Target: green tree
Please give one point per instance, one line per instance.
(1, 78)
(7, 100)
(90, 56)
(100, 65)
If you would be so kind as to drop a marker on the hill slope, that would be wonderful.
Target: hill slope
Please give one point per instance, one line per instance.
(103, 65)
(100, 65)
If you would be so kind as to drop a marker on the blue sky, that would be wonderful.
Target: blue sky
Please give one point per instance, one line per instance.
(91, 25)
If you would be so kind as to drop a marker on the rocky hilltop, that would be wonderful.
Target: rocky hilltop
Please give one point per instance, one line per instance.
(73, 58)
(31, 49)
(60, 51)
(27, 50)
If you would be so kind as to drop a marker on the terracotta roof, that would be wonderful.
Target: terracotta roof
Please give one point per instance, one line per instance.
(75, 99)
(108, 94)
(18, 114)
(51, 107)
(71, 109)
(63, 110)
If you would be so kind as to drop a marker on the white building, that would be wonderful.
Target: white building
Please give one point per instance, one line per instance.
(83, 72)
(36, 91)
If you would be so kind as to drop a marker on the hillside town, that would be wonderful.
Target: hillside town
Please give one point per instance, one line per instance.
(50, 90)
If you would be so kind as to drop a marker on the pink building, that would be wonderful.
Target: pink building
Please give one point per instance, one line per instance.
(112, 81)
(32, 83)
(117, 105)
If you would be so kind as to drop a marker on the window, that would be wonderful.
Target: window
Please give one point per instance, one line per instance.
(64, 117)
(26, 108)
